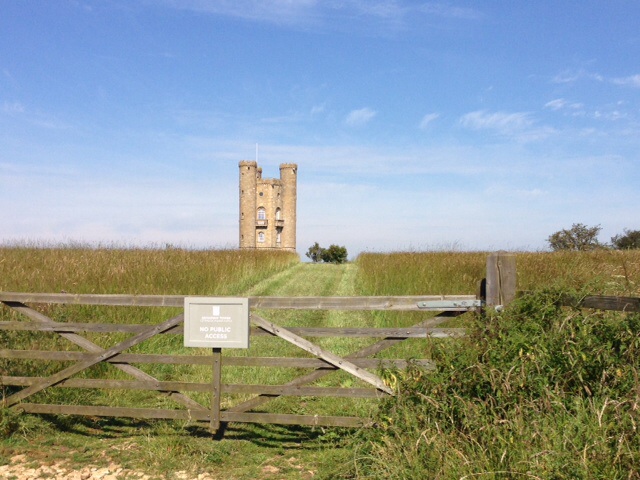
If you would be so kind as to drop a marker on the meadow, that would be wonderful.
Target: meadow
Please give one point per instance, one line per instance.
(535, 391)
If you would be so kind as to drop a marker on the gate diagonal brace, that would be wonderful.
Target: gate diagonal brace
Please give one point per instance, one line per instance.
(314, 349)
(93, 348)
(97, 358)
(317, 374)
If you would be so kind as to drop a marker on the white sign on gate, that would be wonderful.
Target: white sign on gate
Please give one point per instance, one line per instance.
(216, 322)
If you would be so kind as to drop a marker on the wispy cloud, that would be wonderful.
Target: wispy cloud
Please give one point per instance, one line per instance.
(13, 107)
(507, 191)
(322, 14)
(572, 76)
(357, 118)
(518, 125)
(448, 11)
(562, 104)
(270, 11)
(428, 119)
(501, 122)
(631, 81)
(317, 109)
(556, 104)
(574, 109)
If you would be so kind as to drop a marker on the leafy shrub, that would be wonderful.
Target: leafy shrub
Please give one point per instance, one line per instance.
(630, 240)
(578, 237)
(536, 391)
(333, 254)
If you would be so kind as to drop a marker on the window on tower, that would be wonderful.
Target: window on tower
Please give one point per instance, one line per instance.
(262, 214)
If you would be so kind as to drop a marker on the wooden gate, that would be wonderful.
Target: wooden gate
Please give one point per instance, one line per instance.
(320, 362)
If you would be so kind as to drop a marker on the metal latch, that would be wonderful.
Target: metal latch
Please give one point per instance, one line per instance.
(451, 305)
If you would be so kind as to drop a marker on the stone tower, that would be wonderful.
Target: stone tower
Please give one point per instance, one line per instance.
(268, 207)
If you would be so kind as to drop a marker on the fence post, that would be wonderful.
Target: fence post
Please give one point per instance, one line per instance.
(501, 278)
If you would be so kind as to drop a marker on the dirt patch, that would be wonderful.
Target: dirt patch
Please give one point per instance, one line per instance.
(20, 468)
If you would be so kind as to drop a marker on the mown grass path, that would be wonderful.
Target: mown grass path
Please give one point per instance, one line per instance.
(308, 279)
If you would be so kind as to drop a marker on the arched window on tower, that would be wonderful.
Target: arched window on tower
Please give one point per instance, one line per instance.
(261, 237)
(262, 214)
(278, 213)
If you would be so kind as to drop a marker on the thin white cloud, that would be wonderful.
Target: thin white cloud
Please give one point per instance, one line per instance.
(507, 191)
(428, 119)
(519, 125)
(606, 112)
(449, 11)
(317, 109)
(574, 109)
(572, 76)
(13, 107)
(362, 116)
(502, 122)
(287, 12)
(316, 13)
(631, 81)
(556, 104)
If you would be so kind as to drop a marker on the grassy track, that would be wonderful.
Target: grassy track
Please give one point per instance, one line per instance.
(305, 279)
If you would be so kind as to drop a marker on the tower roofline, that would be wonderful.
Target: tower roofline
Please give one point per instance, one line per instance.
(248, 163)
(288, 165)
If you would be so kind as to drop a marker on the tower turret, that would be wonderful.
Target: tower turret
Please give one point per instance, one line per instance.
(289, 178)
(248, 181)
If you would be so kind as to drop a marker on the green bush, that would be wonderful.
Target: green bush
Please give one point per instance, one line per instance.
(630, 240)
(579, 238)
(537, 391)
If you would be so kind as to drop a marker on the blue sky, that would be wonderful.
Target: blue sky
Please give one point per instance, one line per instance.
(415, 124)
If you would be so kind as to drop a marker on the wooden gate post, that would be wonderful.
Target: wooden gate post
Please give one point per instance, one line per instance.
(216, 390)
(501, 279)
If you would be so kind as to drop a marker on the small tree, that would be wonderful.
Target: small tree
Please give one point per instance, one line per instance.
(630, 240)
(315, 253)
(579, 237)
(334, 254)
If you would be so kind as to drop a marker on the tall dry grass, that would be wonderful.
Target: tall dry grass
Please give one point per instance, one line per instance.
(151, 271)
(605, 272)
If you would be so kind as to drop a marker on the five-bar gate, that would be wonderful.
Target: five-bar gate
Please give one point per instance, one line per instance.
(19, 391)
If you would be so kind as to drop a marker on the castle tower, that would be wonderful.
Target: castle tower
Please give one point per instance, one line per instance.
(267, 207)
